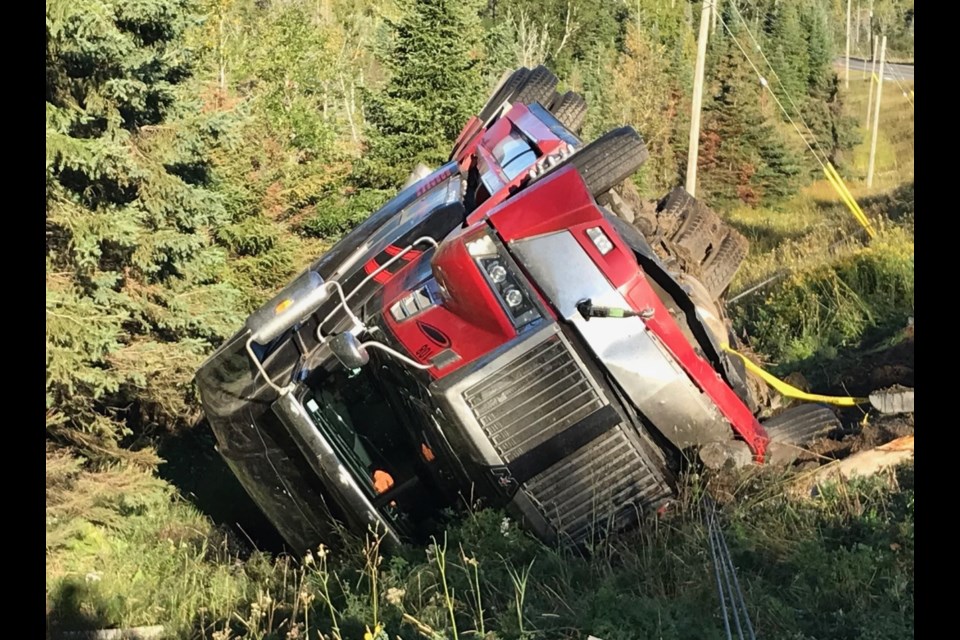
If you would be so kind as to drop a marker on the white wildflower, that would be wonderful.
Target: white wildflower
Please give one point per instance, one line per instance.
(395, 596)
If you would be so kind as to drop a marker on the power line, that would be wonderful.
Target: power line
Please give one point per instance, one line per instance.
(766, 85)
(776, 76)
(725, 573)
(896, 76)
(832, 176)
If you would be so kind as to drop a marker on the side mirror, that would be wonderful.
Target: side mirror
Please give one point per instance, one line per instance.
(348, 351)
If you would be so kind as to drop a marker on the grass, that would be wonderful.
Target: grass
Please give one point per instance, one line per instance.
(817, 310)
(827, 290)
(838, 567)
(894, 157)
(124, 550)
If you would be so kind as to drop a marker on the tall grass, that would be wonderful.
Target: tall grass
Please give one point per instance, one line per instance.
(124, 550)
(829, 288)
(837, 567)
(817, 310)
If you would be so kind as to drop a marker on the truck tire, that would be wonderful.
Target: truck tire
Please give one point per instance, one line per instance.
(802, 423)
(699, 234)
(509, 88)
(700, 240)
(671, 211)
(538, 86)
(525, 86)
(570, 109)
(610, 159)
(718, 269)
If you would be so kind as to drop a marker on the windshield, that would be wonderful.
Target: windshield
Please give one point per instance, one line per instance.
(416, 212)
(348, 408)
(366, 429)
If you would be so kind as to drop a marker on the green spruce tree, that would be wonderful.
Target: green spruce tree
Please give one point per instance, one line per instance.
(819, 50)
(742, 157)
(138, 282)
(787, 50)
(435, 86)
(822, 108)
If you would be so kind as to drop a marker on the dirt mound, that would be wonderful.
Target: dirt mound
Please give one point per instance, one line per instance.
(868, 372)
(887, 368)
(858, 435)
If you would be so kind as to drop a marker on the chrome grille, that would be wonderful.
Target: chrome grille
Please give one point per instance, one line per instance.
(605, 484)
(532, 398)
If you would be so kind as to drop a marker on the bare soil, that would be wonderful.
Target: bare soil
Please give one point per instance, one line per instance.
(889, 368)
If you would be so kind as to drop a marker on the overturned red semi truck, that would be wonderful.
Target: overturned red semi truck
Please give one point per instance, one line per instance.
(516, 328)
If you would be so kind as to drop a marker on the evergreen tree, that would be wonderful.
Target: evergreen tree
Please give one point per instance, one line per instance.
(138, 286)
(813, 22)
(742, 156)
(787, 50)
(435, 86)
(822, 109)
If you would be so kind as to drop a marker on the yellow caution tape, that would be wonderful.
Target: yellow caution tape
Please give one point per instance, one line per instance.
(789, 390)
(838, 185)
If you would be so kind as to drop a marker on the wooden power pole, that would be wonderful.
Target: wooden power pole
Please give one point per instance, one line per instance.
(694, 146)
(873, 71)
(876, 115)
(856, 39)
(846, 80)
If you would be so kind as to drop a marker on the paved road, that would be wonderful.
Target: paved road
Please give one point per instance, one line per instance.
(903, 72)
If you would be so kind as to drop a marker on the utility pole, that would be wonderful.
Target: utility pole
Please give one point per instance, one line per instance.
(846, 80)
(876, 115)
(873, 70)
(694, 146)
(857, 37)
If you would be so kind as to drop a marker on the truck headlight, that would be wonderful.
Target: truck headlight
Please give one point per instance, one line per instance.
(504, 279)
(513, 297)
(497, 273)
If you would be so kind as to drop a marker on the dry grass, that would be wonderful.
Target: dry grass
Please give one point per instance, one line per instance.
(894, 158)
(815, 227)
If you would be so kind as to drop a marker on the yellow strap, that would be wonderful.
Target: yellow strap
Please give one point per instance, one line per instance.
(789, 390)
(848, 198)
(838, 185)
